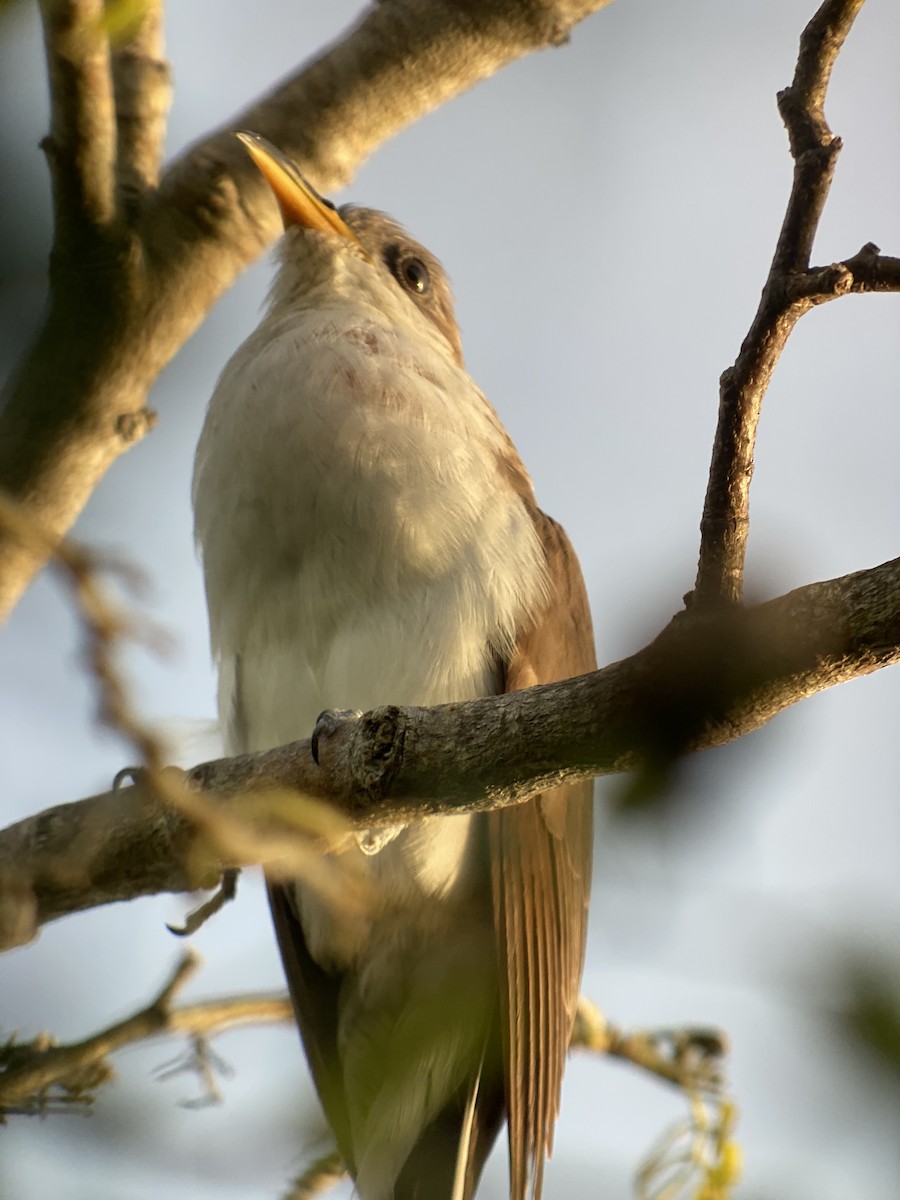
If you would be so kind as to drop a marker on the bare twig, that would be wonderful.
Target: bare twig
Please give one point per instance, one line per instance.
(105, 625)
(141, 79)
(319, 1177)
(29, 1078)
(813, 146)
(206, 1065)
(690, 1058)
(37, 1074)
(81, 144)
(698, 1158)
(791, 289)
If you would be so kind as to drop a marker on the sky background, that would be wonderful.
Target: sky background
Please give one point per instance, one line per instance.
(607, 211)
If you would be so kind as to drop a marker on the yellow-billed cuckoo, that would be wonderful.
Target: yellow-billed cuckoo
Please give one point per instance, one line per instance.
(369, 536)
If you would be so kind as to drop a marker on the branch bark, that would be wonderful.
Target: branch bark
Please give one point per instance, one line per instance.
(142, 86)
(134, 284)
(81, 146)
(708, 679)
(791, 289)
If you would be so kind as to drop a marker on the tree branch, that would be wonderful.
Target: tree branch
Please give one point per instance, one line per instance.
(126, 298)
(813, 146)
(81, 145)
(142, 83)
(320, 1176)
(791, 289)
(691, 1059)
(31, 1070)
(706, 680)
(40, 1074)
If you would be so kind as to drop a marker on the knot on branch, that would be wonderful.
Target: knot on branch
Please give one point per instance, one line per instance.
(837, 279)
(818, 157)
(819, 284)
(376, 752)
(803, 114)
(132, 426)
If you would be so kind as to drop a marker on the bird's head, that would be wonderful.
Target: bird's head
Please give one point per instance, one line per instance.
(350, 248)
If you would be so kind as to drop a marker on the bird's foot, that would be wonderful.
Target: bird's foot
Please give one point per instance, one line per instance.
(328, 723)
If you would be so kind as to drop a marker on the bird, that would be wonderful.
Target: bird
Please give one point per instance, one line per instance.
(369, 536)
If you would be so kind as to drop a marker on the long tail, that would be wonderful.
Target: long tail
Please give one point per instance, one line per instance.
(466, 1139)
(447, 1160)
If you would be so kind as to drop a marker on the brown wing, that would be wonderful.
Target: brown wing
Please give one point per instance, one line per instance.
(315, 995)
(541, 875)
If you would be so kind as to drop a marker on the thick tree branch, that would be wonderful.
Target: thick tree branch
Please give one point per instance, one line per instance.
(791, 289)
(706, 680)
(124, 299)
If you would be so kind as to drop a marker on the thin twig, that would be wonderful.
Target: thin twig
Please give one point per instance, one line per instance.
(813, 146)
(320, 1176)
(104, 624)
(38, 1073)
(726, 512)
(693, 1059)
(28, 1077)
(142, 83)
(39, 1076)
(698, 1158)
(81, 144)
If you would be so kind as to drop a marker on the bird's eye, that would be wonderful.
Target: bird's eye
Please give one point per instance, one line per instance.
(414, 275)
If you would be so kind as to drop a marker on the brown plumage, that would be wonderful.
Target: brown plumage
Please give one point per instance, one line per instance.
(541, 871)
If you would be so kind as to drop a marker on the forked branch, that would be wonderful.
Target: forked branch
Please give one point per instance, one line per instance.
(40, 1076)
(791, 289)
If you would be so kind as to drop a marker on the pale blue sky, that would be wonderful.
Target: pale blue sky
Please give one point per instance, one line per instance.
(607, 212)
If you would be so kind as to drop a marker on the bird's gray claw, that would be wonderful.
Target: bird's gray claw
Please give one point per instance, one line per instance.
(327, 723)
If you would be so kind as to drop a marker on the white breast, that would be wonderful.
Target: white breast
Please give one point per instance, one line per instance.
(360, 546)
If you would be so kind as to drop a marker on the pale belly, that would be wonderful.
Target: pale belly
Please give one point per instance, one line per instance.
(426, 878)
